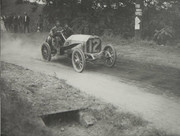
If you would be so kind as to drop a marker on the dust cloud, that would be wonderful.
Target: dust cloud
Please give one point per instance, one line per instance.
(24, 45)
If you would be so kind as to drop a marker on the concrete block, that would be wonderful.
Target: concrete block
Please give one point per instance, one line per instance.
(86, 119)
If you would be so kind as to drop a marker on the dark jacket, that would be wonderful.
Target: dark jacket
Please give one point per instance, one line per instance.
(26, 20)
(68, 32)
(15, 21)
(55, 31)
(19, 18)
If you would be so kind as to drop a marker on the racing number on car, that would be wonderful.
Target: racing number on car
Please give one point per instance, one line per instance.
(94, 45)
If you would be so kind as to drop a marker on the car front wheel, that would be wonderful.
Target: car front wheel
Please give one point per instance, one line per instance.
(78, 60)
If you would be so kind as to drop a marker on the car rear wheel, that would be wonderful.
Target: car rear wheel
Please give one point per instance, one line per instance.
(109, 56)
(78, 60)
(46, 51)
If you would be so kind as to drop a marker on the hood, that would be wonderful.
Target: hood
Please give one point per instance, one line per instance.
(77, 39)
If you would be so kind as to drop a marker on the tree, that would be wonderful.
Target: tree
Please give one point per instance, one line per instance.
(116, 15)
(161, 19)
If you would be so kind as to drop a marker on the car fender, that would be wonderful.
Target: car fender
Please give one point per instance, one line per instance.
(79, 46)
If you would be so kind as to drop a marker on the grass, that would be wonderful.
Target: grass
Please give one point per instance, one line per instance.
(145, 51)
(124, 123)
(118, 40)
(18, 118)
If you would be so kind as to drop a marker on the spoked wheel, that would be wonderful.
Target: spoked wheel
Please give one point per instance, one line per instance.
(46, 52)
(110, 56)
(78, 60)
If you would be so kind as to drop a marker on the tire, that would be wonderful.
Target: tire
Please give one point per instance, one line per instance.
(78, 60)
(109, 56)
(46, 51)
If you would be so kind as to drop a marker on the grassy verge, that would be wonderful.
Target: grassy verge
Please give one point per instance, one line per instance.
(17, 114)
(32, 93)
(146, 51)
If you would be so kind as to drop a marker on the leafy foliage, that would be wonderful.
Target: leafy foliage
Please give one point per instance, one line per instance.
(116, 17)
(35, 7)
(95, 16)
(161, 21)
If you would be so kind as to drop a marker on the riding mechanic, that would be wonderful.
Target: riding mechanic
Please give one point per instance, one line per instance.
(67, 31)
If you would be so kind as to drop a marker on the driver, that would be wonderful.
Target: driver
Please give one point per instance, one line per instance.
(55, 33)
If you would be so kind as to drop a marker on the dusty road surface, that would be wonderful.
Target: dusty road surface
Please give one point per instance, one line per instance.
(161, 110)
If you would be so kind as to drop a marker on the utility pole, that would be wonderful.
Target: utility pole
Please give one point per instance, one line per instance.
(138, 18)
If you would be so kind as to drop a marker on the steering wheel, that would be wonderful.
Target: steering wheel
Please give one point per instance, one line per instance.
(60, 31)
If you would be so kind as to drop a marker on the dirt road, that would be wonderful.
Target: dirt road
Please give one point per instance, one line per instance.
(161, 110)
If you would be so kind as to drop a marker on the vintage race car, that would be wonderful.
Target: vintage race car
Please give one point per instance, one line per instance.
(81, 49)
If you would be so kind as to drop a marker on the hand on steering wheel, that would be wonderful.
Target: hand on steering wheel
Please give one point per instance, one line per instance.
(60, 31)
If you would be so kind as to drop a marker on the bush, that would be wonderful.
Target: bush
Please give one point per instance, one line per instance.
(163, 35)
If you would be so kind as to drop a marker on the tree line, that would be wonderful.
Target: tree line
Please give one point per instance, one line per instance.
(161, 18)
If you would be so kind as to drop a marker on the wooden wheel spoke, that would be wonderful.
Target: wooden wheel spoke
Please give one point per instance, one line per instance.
(78, 60)
(110, 56)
